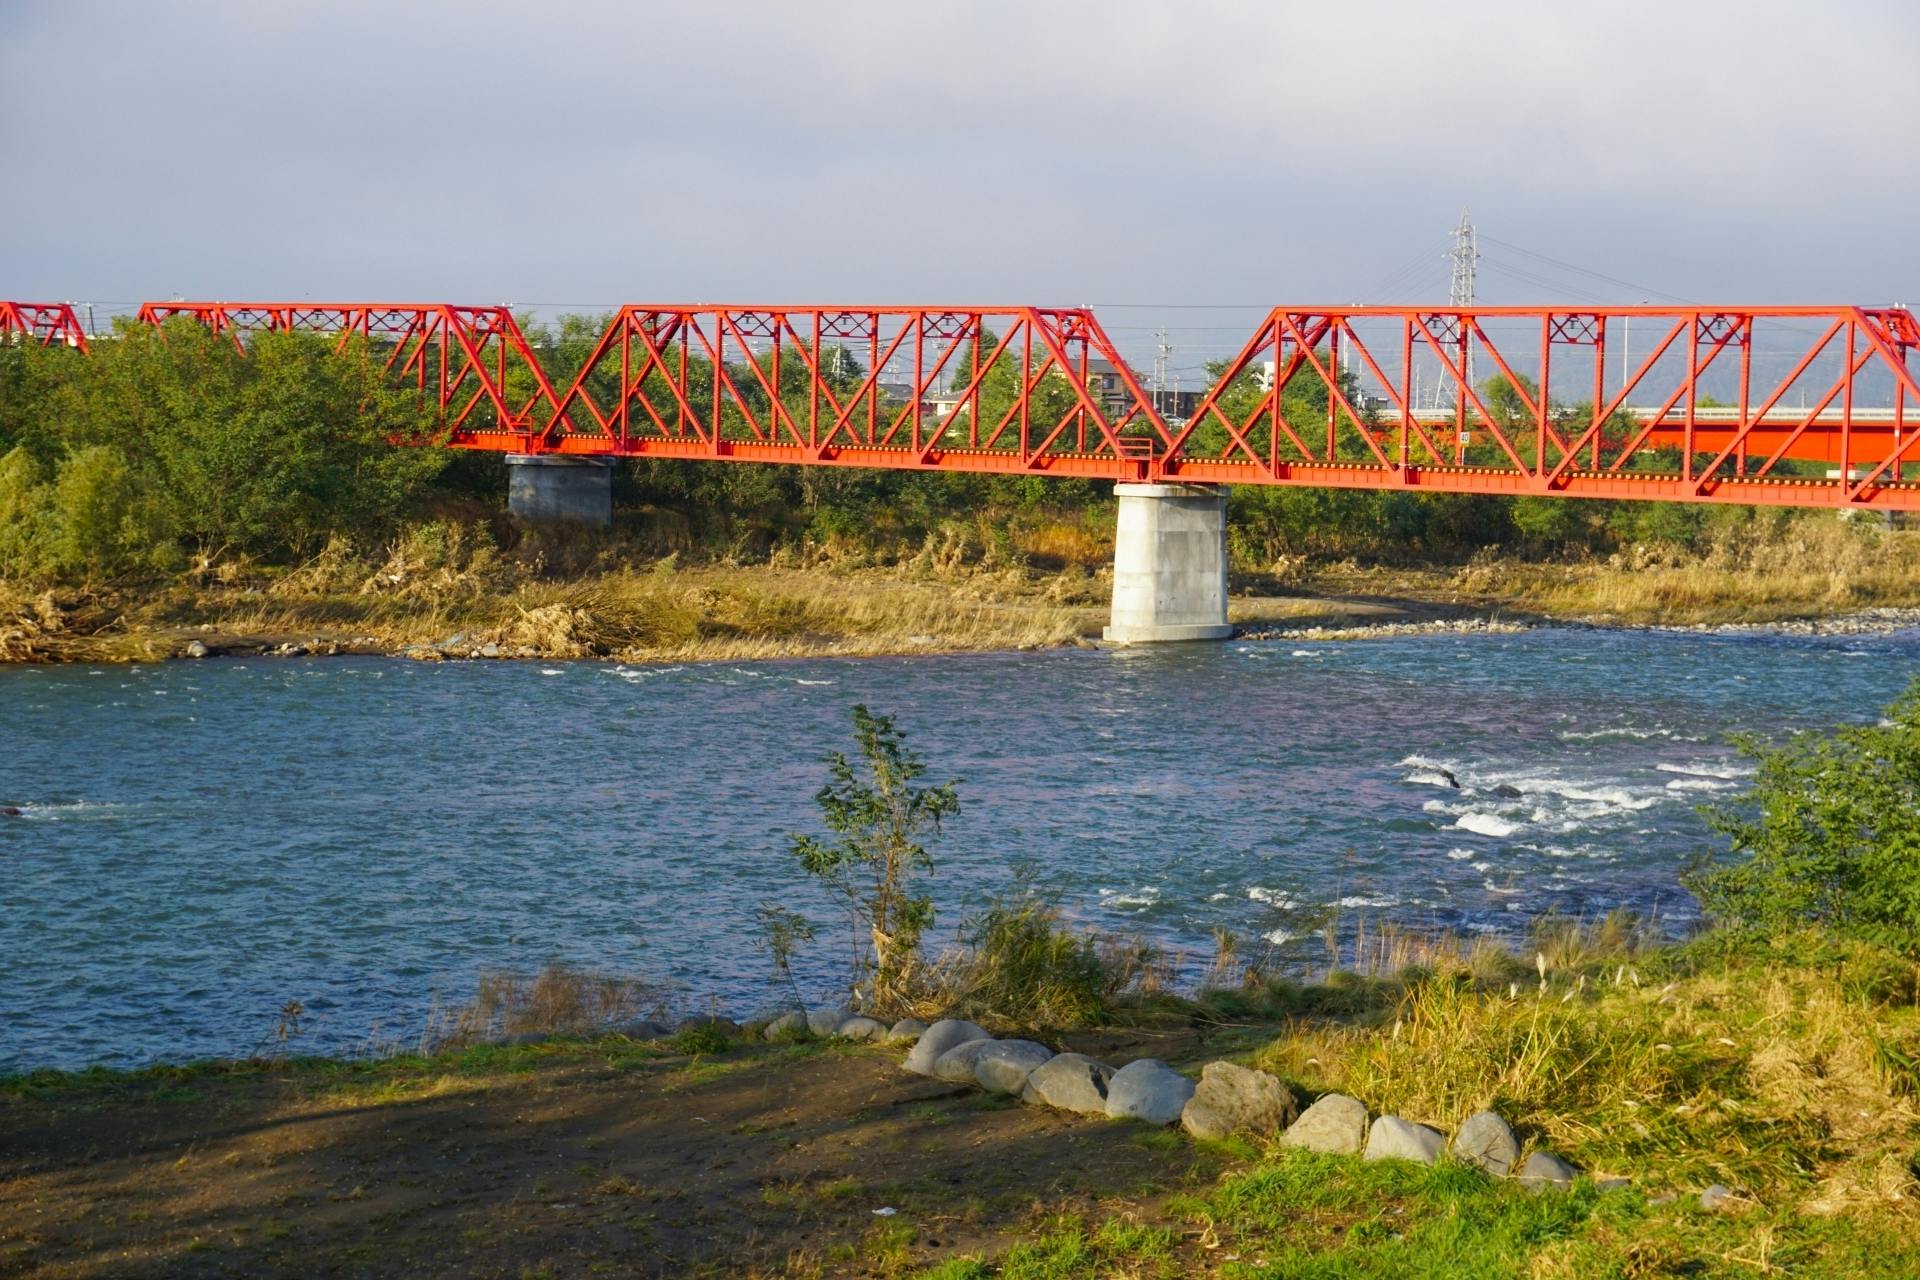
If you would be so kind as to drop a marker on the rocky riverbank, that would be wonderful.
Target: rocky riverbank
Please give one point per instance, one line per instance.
(667, 614)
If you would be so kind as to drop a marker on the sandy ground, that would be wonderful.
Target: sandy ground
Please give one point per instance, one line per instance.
(560, 1161)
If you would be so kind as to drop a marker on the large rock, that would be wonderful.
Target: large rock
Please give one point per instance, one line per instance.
(937, 1039)
(755, 1026)
(1071, 1082)
(1004, 1065)
(824, 1022)
(1232, 1099)
(1486, 1142)
(645, 1029)
(791, 1025)
(1392, 1138)
(1336, 1125)
(1148, 1090)
(906, 1031)
(861, 1028)
(958, 1063)
(1546, 1172)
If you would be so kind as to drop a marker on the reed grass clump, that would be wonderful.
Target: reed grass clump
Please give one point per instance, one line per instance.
(1024, 965)
(559, 999)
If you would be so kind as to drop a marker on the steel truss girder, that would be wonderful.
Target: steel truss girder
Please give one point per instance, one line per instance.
(1684, 450)
(762, 384)
(51, 324)
(473, 363)
(971, 388)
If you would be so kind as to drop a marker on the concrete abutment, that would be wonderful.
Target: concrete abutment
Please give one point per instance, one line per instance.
(550, 488)
(1169, 564)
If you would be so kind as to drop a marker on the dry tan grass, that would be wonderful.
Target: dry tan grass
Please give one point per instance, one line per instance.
(1818, 565)
(661, 613)
(1781, 1079)
(70, 626)
(559, 1000)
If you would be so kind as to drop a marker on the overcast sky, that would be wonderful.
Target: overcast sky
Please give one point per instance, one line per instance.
(591, 152)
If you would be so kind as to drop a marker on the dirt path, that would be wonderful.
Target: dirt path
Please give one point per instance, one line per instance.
(553, 1161)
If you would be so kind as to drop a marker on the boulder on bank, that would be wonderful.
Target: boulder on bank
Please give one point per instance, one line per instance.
(824, 1022)
(1393, 1138)
(1335, 1125)
(1004, 1065)
(1544, 1171)
(860, 1027)
(959, 1063)
(906, 1031)
(755, 1027)
(1487, 1142)
(1149, 1090)
(645, 1029)
(789, 1026)
(1070, 1081)
(1233, 1099)
(937, 1039)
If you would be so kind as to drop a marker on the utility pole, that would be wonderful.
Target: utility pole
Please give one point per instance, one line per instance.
(1161, 350)
(1626, 340)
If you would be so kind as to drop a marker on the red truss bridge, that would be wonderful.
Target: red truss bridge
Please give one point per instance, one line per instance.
(1798, 406)
(50, 324)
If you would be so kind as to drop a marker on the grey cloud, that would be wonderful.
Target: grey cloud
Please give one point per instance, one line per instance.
(1203, 152)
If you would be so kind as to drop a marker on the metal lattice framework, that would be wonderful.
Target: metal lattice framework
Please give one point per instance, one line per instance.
(50, 324)
(1357, 370)
(1809, 406)
(1007, 389)
(474, 362)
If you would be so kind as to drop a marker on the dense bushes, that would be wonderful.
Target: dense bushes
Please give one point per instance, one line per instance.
(161, 442)
(1829, 836)
(92, 518)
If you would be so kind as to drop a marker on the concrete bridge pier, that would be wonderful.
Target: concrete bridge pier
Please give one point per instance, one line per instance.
(1169, 564)
(548, 488)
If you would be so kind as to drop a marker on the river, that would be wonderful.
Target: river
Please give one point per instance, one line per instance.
(202, 842)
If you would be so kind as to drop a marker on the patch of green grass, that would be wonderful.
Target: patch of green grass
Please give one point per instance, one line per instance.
(1071, 1252)
(1157, 1139)
(702, 1039)
(173, 1081)
(984, 1101)
(839, 1189)
(1302, 1216)
(887, 1245)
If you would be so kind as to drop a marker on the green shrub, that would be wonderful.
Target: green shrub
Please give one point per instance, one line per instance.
(103, 520)
(880, 818)
(1829, 835)
(25, 501)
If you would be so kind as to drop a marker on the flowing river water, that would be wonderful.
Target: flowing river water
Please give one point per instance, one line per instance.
(201, 842)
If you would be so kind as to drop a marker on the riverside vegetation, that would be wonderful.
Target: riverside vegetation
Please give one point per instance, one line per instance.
(1776, 1054)
(167, 490)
